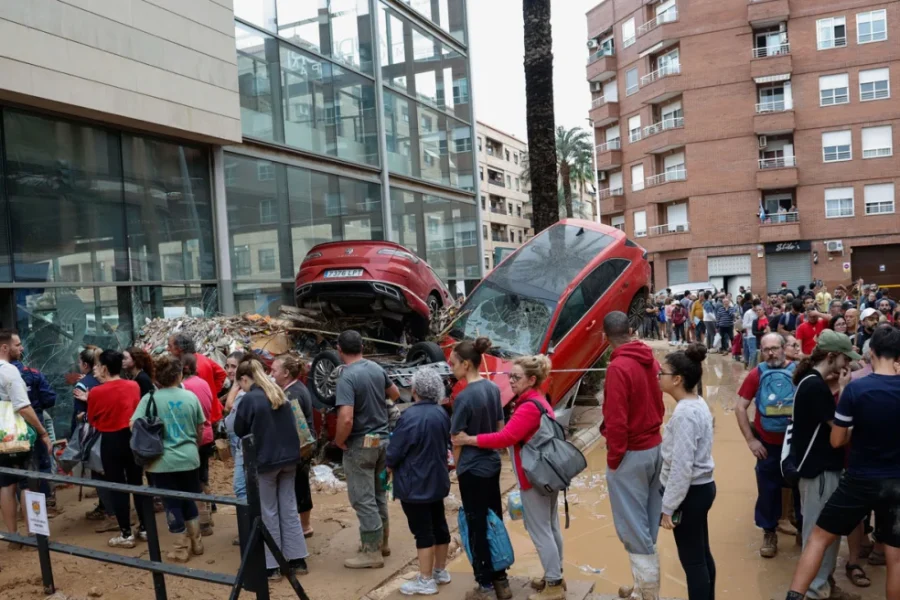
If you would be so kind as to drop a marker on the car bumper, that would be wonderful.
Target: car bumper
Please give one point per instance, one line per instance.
(396, 297)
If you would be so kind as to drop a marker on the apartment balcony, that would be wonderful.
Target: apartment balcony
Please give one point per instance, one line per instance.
(666, 187)
(667, 229)
(662, 29)
(662, 84)
(664, 136)
(771, 60)
(603, 111)
(661, 238)
(777, 173)
(601, 65)
(773, 118)
(763, 13)
(609, 155)
(679, 174)
(611, 200)
(780, 227)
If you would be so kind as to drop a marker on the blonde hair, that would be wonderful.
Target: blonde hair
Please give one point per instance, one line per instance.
(537, 366)
(251, 367)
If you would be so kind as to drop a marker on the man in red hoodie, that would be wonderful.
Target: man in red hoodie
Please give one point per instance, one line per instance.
(632, 415)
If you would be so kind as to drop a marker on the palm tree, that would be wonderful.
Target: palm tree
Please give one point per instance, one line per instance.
(571, 145)
(583, 172)
(539, 102)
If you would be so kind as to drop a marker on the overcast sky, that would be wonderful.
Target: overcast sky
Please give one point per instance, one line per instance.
(497, 50)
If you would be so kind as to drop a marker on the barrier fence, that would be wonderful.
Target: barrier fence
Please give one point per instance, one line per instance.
(254, 536)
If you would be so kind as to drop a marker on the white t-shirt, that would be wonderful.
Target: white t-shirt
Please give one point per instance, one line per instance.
(749, 317)
(12, 386)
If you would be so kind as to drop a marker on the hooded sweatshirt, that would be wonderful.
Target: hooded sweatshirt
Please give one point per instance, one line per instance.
(633, 406)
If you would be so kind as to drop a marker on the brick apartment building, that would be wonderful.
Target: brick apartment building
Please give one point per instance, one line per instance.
(709, 112)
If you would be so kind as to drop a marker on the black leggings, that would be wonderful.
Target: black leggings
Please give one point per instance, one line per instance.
(301, 488)
(480, 494)
(692, 539)
(119, 467)
(427, 523)
(679, 332)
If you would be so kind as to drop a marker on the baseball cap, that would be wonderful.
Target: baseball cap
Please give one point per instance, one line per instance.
(832, 341)
(784, 284)
(867, 313)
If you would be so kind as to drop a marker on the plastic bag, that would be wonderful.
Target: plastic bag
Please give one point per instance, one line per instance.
(307, 439)
(514, 502)
(15, 437)
(73, 454)
(92, 458)
(502, 556)
(717, 341)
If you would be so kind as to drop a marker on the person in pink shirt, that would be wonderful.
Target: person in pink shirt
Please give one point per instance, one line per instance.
(200, 388)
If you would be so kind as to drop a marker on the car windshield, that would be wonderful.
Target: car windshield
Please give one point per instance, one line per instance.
(515, 303)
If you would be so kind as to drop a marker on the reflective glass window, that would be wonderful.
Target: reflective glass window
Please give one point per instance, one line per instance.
(5, 267)
(338, 29)
(255, 52)
(258, 12)
(449, 15)
(265, 299)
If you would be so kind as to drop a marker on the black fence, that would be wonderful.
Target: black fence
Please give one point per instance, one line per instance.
(254, 536)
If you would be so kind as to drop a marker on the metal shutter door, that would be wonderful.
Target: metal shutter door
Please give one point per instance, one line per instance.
(722, 266)
(793, 267)
(677, 271)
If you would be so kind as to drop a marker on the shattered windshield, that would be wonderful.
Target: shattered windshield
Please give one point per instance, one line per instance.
(516, 302)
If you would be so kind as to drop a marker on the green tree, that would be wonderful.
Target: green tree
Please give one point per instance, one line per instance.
(572, 150)
(542, 163)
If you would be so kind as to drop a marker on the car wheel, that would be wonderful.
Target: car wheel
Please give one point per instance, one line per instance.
(325, 369)
(434, 304)
(636, 312)
(425, 353)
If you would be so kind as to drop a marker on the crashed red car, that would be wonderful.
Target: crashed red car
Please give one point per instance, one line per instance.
(550, 296)
(370, 278)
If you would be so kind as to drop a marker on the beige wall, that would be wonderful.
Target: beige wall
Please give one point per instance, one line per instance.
(166, 66)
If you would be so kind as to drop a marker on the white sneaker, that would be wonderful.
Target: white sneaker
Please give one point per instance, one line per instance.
(671, 343)
(121, 541)
(441, 576)
(420, 587)
(142, 535)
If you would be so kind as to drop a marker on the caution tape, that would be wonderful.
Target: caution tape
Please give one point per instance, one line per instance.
(552, 371)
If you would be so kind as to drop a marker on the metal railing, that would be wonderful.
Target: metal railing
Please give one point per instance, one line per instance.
(600, 54)
(669, 229)
(769, 51)
(665, 17)
(770, 107)
(598, 102)
(666, 71)
(782, 162)
(610, 192)
(782, 218)
(614, 144)
(674, 174)
(253, 535)
(673, 123)
(838, 42)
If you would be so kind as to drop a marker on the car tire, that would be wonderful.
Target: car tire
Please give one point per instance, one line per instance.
(434, 304)
(636, 312)
(425, 352)
(323, 377)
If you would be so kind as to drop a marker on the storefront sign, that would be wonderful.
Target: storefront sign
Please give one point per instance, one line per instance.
(846, 266)
(777, 247)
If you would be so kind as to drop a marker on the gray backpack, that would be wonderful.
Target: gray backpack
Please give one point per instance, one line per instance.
(549, 461)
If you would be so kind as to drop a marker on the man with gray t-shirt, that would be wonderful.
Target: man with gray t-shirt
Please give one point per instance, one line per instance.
(362, 433)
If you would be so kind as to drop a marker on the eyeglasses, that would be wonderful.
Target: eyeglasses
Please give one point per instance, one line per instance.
(516, 377)
(772, 350)
(661, 373)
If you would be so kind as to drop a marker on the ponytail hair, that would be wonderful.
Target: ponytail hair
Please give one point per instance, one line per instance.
(688, 363)
(805, 366)
(251, 367)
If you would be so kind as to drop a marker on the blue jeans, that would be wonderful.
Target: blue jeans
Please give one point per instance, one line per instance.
(769, 483)
(749, 348)
(239, 482)
(179, 511)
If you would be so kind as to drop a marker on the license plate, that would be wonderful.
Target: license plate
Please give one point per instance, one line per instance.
(341, 273)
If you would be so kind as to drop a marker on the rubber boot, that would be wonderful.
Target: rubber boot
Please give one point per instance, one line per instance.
(180, 551)
(194, 535)
(369, 556)
(385, 545)
(645, 569)
(206, 527)
(550, 592)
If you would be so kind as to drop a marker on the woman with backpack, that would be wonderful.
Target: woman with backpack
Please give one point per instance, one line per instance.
(687, 470)
(541, 516)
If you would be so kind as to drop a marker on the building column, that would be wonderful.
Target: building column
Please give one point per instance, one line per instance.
(476, 179)
(220, 234)
(388, 226)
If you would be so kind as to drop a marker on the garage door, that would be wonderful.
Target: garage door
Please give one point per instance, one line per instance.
(677, 270)
(793, 267)
(721, 266)
(868, 261)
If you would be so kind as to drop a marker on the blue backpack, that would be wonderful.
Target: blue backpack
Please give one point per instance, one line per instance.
(502, 556)
(775, 397)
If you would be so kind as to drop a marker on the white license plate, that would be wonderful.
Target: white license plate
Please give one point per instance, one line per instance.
(340, 273)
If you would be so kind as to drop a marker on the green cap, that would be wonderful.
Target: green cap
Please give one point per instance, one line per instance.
(832, 341)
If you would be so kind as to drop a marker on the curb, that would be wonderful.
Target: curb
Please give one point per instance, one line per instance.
(585, 438)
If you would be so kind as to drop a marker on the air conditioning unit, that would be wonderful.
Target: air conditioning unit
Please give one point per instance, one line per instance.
(593, 44)
(596, 86)
(679, 228)
(601, 175)
(834, 245)
(763, 142)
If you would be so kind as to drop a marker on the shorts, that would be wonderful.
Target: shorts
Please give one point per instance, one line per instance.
(427, 523)
(21, 461)
(855, 498)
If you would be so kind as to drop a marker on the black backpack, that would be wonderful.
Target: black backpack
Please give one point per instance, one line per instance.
(147, 435)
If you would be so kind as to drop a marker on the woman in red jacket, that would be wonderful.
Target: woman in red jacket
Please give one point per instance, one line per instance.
(541, 517)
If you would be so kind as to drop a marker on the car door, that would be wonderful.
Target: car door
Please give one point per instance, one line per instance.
(577, 338)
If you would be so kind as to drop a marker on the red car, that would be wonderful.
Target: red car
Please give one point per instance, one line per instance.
(550, 297)
(368, 278)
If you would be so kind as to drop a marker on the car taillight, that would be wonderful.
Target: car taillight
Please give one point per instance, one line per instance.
(311, 256)
(399, 254)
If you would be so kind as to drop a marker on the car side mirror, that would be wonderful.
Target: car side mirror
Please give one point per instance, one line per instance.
(551, 350)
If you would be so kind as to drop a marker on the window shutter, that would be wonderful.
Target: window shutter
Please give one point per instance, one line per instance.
(612, 133)
(634, 122)
(830, 82)
(881, 192)
(615, 180)
(637, 177)
(873, 75)
(839, 193)
(628, 29)
(640, 221)
(674, 160)
(836, 138)
(877, 137)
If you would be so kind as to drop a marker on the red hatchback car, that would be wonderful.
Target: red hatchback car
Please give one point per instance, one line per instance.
(550, 296)
(381, 279)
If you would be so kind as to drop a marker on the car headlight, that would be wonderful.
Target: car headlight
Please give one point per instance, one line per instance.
(399, 254)
(311, 256)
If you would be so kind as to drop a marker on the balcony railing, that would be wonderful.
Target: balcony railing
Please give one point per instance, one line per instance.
(668, 229)
(782, 162)
(673, 123)
(641, 233)
(673, 174)
(497, 182)
(615, 144)
(767, 51)
(610, 192)
(782, 218)
(665, 17)
(665, 71)
(598, 102)
(600, 54)
(770, 107)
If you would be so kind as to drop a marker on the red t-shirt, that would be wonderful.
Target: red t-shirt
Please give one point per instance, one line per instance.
(748, 392)
(111, 405)
(807, 334)
(209, 371)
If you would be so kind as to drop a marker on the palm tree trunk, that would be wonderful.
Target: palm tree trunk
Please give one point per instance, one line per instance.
(566, 173)
(541, 124)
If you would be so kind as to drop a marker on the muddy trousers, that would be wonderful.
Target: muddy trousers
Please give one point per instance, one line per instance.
(542, 525)
(178, 511)
(363, 468)
(814, 493)
(279, 514)
(692, 540)
(480, 494)
(769, 482)
(635, 499)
